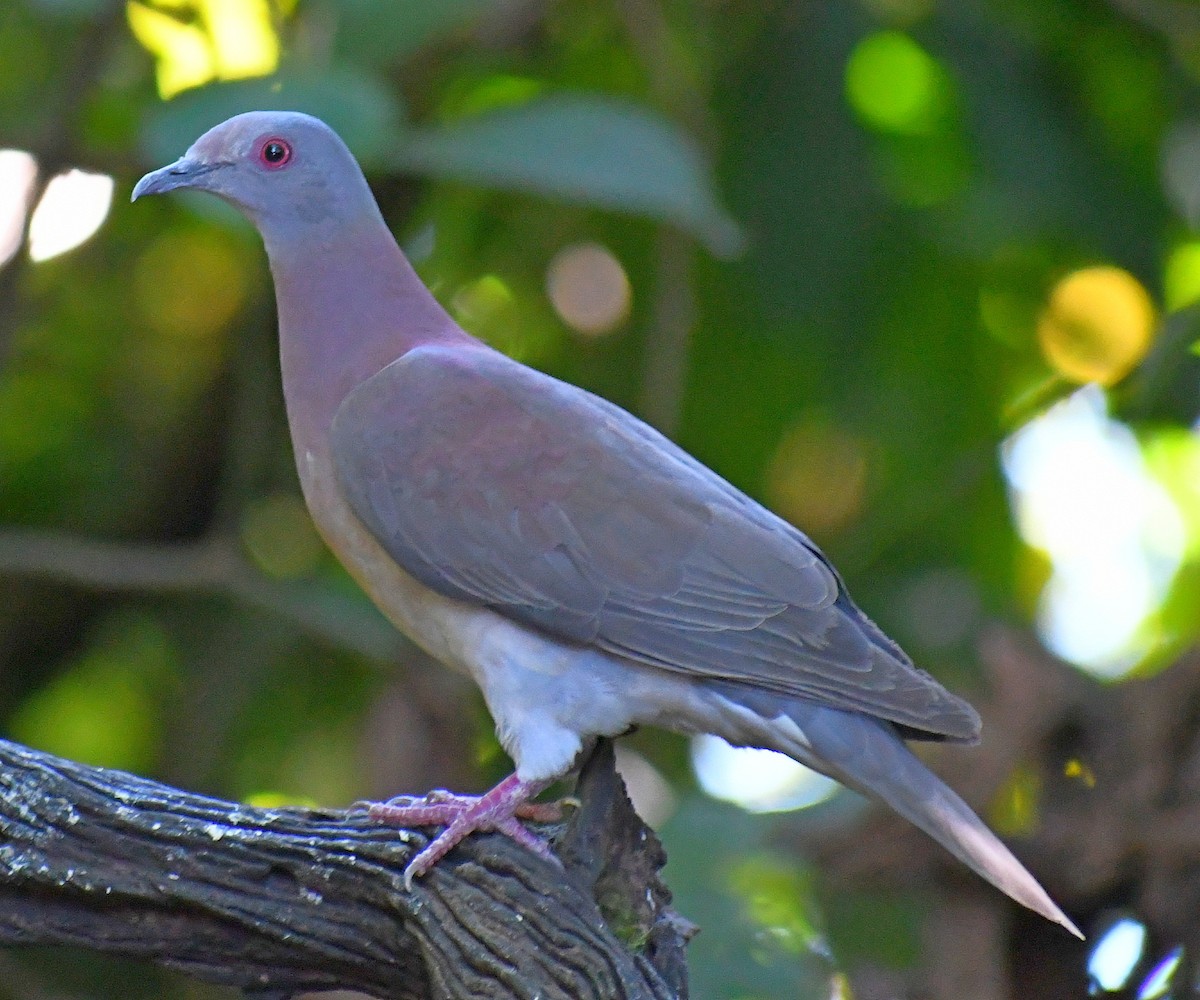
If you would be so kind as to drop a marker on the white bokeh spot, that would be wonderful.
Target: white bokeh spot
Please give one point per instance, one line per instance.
(73, 207)
(18, 171)
(1114, 536)
(758, 780)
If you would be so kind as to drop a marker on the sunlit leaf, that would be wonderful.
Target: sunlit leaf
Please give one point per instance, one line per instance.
(1161, 979)
(243, 36)
(498, 90)
(779, 895)
(208, 39)
(586, 149)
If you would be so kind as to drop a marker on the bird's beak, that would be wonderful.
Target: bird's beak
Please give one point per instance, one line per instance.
(183, 173)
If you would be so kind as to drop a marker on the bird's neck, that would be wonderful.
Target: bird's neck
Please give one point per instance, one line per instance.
(349, 304)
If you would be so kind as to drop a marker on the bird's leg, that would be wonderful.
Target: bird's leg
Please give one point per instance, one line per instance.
(462, 815)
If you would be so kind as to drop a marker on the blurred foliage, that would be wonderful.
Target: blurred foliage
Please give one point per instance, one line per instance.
(908, 228)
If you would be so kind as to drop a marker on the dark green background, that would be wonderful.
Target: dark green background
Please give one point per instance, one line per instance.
(806, 310)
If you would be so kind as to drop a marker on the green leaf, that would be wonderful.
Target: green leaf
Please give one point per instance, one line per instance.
(384, 32)
(585, 149)
(357, 105)
(74, 10)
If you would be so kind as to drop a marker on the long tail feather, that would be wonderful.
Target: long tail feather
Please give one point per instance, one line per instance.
(870, 757)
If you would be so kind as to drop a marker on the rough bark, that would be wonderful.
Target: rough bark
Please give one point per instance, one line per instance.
(280, 901)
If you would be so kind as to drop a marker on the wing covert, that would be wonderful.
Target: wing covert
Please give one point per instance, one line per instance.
(494, 484)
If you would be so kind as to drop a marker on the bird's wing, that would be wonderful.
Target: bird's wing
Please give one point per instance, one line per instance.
(500, 486)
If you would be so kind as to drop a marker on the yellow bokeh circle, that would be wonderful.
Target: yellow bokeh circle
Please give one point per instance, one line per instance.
(1097, 325)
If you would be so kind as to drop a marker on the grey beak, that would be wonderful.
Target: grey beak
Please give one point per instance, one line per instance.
(183, 173)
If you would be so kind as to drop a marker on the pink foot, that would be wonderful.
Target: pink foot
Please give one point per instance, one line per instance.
(462, 815)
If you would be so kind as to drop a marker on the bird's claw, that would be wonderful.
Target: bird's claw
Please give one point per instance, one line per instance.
(502, 809)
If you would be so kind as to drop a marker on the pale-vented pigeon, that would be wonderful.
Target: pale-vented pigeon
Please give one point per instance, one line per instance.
(586, 572)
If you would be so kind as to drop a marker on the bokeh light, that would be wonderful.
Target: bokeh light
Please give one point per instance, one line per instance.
(73, 206)
(1083, 495)
(18, 171)
(758, 780)
(1181, 276)
(481, 301)
(1015, 809)
(817, 477)
(279, 535)
(1116, 955)
(1078, 770)
(1160, 981)
(896, 86)
(189, 283)
(589, 289)
(1097, 325)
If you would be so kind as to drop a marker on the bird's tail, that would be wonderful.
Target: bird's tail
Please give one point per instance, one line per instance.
(871, 758)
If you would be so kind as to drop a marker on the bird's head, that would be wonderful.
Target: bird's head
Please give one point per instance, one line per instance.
(278, 167)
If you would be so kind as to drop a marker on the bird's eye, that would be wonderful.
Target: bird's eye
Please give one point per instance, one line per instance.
(274, 153)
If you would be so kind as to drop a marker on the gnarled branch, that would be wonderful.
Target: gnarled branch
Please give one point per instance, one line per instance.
(281, 901)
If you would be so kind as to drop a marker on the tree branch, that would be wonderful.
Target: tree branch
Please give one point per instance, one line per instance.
(281, 901)
(212, 565)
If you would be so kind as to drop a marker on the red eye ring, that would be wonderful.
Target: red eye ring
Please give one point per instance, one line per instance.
(274, 153)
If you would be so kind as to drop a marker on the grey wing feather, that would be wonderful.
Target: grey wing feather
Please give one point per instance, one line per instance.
(494, 484)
